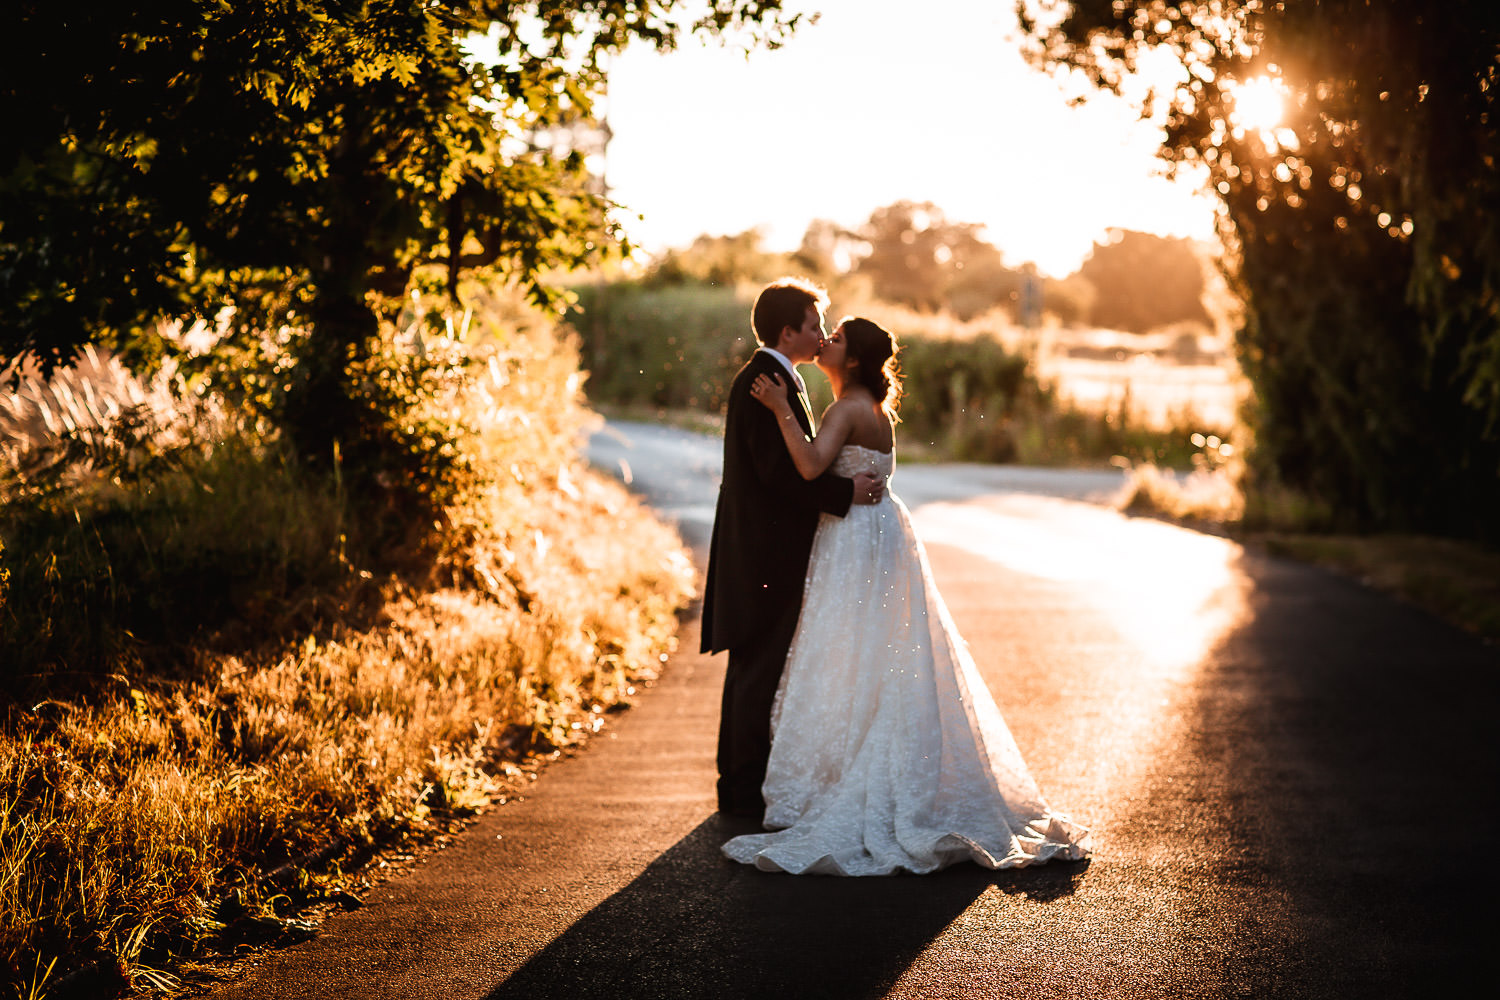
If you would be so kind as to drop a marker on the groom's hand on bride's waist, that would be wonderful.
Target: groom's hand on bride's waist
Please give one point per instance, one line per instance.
(868, 488)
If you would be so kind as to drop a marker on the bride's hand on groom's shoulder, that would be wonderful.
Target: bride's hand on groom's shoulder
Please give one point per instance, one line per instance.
(770, 391)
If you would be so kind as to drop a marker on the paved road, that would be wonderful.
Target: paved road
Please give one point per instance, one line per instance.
(1291, 781)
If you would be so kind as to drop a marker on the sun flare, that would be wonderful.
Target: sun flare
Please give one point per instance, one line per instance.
(1259, 104)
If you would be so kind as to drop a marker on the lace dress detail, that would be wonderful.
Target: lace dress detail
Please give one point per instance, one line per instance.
(888, 752)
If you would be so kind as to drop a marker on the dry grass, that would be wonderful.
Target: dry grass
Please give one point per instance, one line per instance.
(1203, 496)
(93, 420)
(139, 829)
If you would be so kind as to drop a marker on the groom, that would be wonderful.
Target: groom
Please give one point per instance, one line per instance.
(763, 533)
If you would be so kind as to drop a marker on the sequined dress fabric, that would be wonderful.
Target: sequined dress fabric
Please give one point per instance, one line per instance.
(888, 752)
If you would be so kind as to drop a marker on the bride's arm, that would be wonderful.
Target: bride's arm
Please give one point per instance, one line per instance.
(813, 457)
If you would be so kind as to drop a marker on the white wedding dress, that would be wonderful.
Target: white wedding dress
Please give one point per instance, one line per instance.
(888, 752)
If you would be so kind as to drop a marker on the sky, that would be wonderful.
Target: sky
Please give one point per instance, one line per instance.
(880, 101)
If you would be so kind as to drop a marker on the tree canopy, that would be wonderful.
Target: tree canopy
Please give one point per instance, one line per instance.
(1359, 224)
(720, 260)
(302, 160)
(1142, 281)
(914, 254)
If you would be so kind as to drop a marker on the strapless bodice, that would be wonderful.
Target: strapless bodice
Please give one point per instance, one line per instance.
(853, 459)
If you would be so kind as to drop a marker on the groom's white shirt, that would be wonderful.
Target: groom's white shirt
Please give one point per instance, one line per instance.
(787, 364)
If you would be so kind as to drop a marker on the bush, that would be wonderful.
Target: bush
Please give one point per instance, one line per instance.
(966, 398)
(98, 580)
(672, 346)
(397, 455)
(136, 824)
(151, 513)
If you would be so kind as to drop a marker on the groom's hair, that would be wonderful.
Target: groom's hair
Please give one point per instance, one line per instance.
(784, 303)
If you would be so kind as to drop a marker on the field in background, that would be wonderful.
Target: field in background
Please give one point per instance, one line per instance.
(1163, 379)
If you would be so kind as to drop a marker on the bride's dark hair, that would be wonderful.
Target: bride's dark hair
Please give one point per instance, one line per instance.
(875, 350)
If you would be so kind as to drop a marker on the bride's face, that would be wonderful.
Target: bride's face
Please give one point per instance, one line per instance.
(835, 353)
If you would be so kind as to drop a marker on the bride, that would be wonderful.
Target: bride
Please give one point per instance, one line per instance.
(887, 752)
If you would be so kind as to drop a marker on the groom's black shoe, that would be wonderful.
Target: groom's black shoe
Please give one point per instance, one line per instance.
(747, 806)
(740, 821)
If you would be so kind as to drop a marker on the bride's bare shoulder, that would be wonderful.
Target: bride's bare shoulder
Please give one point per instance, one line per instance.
(844, 405)
(867, 423)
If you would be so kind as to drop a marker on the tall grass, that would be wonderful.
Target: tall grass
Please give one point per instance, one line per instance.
(144, 816)
(95, 417)
(137, 511)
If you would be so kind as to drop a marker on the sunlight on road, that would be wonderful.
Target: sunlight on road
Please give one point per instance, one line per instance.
(1131, 609)
(1167, 590)
(1099, 663)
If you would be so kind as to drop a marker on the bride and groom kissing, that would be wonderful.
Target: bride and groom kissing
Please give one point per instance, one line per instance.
(854, 725)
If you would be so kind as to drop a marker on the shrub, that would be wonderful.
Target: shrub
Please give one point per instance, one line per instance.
(137, 825)
(672, 346)
(150, 513)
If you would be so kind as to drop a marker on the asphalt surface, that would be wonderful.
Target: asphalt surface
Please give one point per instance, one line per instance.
(1291, 782)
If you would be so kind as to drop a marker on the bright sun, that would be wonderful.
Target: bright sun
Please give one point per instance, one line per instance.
(1258, 104)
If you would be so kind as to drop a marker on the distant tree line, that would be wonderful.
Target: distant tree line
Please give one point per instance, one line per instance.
(1362, 232)
(912, 254)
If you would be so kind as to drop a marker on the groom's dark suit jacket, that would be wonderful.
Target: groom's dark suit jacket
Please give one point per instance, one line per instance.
(766, 516)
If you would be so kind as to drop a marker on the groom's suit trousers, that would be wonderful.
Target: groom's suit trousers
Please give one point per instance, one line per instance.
(750, 683)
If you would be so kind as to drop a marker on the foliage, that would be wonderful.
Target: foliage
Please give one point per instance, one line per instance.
(962, 397)
(94, 421)
(1071, 299)
(910, 255)
(1142, 281)
(914, 255)
(301, 156)
(139, 825)
(967, 397)
(1359, 229)
(136, 514)
(740, 261)
(725, 261)
(1208, 496)
(676, 346)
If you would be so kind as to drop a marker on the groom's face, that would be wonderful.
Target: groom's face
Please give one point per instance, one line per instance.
(804, 342)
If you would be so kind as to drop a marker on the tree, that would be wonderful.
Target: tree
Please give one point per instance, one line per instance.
(301, 160)
(719, 260)
(1359, 229)
(1142, 281)
(914, 255)
(827, 251)
(1070, 299)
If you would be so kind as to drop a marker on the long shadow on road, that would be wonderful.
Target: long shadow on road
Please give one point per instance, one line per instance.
(694, 924)
(1341, 751)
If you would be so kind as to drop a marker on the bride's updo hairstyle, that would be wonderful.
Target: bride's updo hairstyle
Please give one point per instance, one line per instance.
(874, 348)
